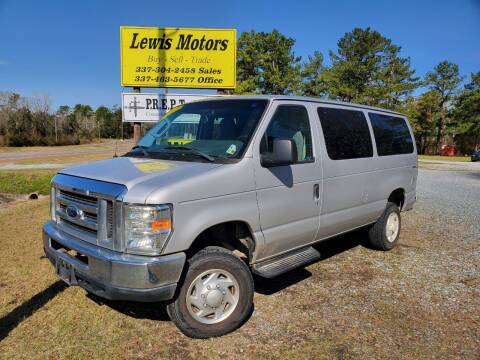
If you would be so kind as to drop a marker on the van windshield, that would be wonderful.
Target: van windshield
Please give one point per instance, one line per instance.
(203, 130)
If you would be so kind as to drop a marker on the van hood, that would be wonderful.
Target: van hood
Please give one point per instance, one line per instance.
(132, 172)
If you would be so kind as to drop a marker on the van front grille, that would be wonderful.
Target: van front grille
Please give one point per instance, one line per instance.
(78, 227)
(78, 197)
(110, 223)
(90, 218)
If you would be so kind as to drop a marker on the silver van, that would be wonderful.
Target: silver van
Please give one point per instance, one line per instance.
(223, 188)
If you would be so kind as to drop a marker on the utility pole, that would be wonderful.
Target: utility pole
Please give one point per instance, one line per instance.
(137, 126)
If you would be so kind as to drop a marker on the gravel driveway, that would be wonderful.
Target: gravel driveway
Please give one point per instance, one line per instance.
(454, 196)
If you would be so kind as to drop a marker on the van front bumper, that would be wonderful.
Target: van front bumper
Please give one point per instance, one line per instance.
(110, 274)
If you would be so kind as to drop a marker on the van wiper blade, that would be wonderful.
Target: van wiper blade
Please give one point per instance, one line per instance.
(141, 147)
(192, 150)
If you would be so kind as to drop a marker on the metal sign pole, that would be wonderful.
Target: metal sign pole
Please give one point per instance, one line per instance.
(137, 126)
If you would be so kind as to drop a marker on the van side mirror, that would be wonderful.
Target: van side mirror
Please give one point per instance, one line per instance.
(284, 153)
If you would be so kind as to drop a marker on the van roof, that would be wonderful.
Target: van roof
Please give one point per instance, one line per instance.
(307, 99)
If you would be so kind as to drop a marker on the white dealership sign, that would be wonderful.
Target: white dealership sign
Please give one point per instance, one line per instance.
(142, 107)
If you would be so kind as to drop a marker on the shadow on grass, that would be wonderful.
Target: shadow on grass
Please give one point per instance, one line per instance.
(141, 310)
(327, 249)
(342, 243)
(28, 308)
(137, 310)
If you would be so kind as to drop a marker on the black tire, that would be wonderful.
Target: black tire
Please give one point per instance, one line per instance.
(208, 259)
(378, 232)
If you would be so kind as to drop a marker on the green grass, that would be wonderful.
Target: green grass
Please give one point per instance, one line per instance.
(444, 158)
(26, 181)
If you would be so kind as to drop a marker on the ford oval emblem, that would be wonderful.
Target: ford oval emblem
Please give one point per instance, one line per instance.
(73, 212)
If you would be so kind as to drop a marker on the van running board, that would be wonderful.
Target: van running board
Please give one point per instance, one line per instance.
(282, 264)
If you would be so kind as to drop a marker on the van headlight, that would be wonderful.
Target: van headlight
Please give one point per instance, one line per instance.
(147, 228)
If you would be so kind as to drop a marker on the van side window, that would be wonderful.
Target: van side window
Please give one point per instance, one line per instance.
(346, 133)
(391, 134)
(290, 122)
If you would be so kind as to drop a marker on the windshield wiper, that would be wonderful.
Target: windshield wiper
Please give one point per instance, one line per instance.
(141, 147)
(192, 150)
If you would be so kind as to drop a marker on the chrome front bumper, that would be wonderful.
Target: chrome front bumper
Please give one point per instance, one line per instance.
(110, 274)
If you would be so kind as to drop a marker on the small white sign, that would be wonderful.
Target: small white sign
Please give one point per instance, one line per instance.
(142, 107)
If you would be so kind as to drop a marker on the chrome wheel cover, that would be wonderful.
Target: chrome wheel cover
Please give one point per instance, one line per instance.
(392, 227)
(212, 296)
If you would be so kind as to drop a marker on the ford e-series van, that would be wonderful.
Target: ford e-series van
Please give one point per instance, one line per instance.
(247, 185)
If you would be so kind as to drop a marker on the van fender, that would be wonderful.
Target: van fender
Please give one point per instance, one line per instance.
(191, 218)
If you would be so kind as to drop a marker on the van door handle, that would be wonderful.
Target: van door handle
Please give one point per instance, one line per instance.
(316, 191)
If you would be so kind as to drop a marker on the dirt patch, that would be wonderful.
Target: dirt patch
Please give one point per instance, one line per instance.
(473, 281)
(10, 198)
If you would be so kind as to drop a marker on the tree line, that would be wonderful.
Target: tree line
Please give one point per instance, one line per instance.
(366, 68)
(30, 121)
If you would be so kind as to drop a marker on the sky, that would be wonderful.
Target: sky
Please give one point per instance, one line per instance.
(69, 50)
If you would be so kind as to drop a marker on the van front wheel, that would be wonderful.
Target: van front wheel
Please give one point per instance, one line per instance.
(216, 295)
(385, 232)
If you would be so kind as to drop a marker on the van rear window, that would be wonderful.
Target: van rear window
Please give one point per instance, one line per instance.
(391, 135)
(346, 133)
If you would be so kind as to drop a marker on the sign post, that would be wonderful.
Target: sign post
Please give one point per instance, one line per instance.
(137, 126)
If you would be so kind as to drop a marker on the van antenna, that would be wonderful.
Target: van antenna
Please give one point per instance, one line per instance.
(116, 144)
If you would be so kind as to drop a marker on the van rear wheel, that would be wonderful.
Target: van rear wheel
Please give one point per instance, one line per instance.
(385, 232)
(216, 296)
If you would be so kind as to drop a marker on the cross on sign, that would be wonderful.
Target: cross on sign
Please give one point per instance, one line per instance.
(134, 105)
